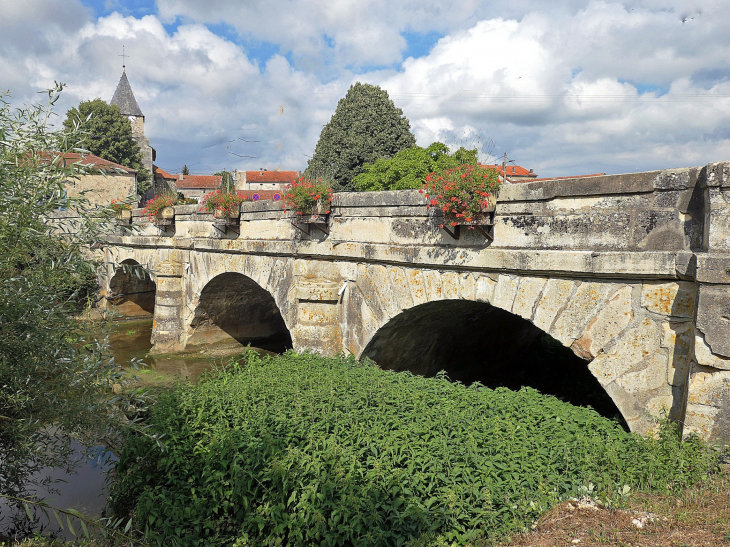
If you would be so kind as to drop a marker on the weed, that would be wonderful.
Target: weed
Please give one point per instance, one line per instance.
(303, 450)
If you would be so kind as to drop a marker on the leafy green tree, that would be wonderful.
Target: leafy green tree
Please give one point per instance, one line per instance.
(108, 134)
(365, 127)
(185, 170)
(409, 167)
(56, 378)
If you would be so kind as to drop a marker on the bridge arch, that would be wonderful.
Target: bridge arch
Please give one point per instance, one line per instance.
(232, 307)
(631, 338)
(478, 342)
(131, 291)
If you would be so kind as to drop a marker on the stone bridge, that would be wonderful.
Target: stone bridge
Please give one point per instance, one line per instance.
(612, 291)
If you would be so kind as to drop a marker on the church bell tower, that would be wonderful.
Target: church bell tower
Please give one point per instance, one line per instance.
(124, 99)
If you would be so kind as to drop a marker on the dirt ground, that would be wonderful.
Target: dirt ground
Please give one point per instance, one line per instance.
(697, 517)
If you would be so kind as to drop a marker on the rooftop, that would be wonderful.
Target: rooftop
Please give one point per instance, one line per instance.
(271, 176)
(90, 161)
(124, 98)
(212, 182)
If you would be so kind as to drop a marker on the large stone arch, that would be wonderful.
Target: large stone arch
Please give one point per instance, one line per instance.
(636, 336)
(234, 308)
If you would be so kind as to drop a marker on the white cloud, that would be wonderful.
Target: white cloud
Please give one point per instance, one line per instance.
(565, 87)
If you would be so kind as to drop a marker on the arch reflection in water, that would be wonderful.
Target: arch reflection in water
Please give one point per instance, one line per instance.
(477, 342)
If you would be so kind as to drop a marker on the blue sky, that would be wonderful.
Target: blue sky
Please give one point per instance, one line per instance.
(566, 87)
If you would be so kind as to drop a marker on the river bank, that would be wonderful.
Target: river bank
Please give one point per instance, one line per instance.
(84, 489)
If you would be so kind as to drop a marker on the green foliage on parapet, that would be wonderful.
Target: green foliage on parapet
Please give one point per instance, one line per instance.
(408, 168)
(305, 450)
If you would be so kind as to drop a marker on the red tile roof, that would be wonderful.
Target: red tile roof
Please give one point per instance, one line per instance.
(514, 171)
(198, 181)
(271, 176)
(161, 173)
(89, 161)
(571, 177)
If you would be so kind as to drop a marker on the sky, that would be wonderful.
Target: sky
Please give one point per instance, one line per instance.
(564, 87)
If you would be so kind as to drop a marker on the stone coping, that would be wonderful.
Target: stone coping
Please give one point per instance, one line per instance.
(609, 264)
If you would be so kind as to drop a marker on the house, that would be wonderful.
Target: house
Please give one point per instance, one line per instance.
(104, 180)
(196, 186)
(263, 179)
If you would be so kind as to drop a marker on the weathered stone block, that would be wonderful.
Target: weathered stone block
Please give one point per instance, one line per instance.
(676, 179)
(660, 231)
(505, 291)
(583, 306)
(677, 338)
(705, 357)
(713, 318)
(467, 286)
(674, 299)
(716, 174)
(628, 353)
(708, 404)
(607, 325)
(484, 289)
(528, 293)
(555, 296)
(713, 268)
(450, 285)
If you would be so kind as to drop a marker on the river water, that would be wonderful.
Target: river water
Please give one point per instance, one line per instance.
(85, 488)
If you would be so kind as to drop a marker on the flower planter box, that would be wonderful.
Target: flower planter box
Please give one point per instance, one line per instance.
(124, 216)
(224, 220)
(165, 218)
(317, 218)
(482, 221)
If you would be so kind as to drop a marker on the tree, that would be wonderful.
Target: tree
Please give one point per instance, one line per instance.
(365, 127)
(409, 167)
(108, 134)
(185, 170)
(56, 378)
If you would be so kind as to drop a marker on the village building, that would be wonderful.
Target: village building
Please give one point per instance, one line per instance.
(194, 186)
(104, 180)
(263, 179)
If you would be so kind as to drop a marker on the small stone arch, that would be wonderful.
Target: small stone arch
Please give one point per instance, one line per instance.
(232, 307)
(132, 290)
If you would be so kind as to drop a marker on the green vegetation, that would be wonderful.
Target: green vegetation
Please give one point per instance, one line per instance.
(305, 450)
(365, 127)
(52, 371)
(108, 134)
(409, 168)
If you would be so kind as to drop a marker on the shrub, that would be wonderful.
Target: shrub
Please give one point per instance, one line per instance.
(222, 200)
(306, 450)
(461, 193)
(409, 168)
(303, 196)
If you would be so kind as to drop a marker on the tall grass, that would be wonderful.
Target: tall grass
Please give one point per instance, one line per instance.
(303, 450)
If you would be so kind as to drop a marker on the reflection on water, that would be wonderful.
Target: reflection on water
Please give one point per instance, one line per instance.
(131, 340)
(84, 489)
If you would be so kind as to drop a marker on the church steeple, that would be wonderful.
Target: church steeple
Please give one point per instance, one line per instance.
(124, 98)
